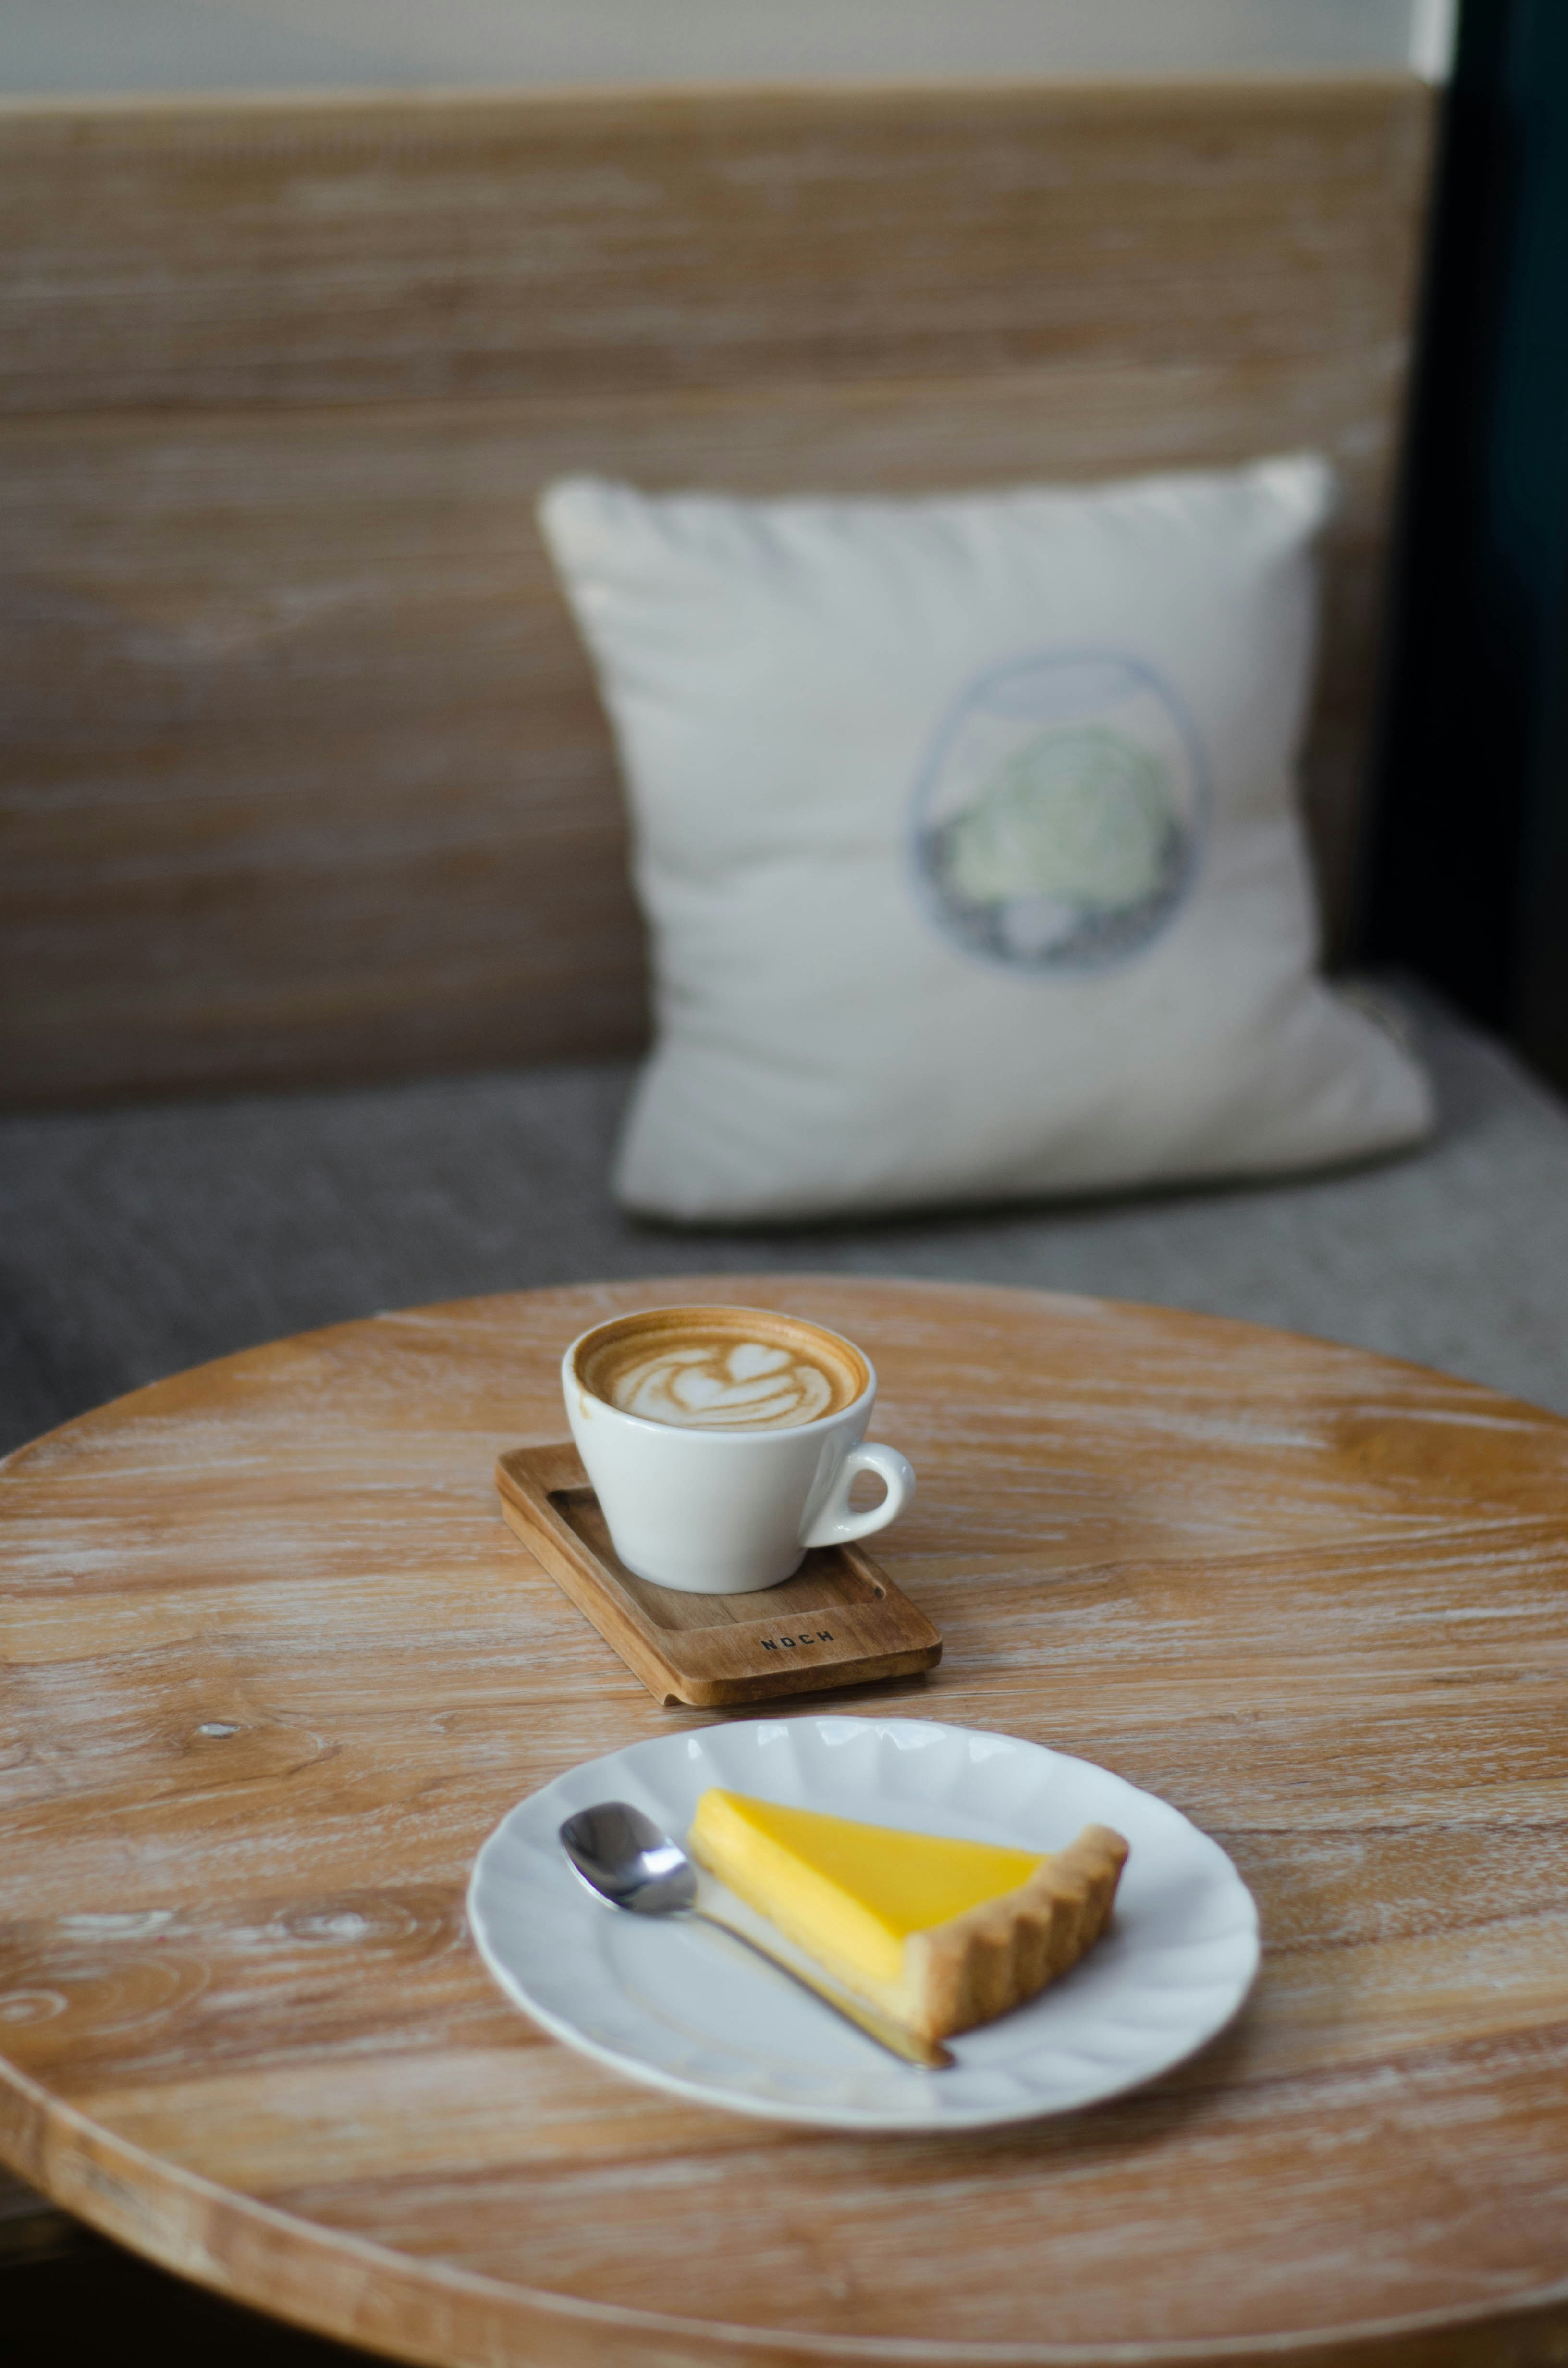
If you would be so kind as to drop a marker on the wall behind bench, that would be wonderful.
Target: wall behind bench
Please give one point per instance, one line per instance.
(303, 777)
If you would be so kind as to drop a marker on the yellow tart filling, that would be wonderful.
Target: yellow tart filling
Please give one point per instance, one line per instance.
(941, 1933)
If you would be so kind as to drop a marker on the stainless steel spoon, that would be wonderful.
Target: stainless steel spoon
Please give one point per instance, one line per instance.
(623, 1855)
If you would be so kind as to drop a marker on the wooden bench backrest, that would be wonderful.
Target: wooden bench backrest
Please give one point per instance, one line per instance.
(304, 776)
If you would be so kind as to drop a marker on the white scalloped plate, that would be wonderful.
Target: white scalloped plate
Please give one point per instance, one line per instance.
(680, 2007)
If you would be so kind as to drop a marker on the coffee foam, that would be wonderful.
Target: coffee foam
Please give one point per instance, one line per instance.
(711, 1369)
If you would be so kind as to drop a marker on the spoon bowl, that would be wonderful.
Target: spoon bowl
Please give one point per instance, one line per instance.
(621, 1854)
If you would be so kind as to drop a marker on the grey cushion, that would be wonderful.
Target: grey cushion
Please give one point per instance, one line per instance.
(133, 1242)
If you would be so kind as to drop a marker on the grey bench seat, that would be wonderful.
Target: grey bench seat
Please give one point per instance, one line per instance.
(139, 1240)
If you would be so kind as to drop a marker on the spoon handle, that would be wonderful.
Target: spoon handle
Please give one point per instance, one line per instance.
(880, 2027)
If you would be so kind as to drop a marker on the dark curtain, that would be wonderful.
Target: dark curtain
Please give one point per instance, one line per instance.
(1468, 864)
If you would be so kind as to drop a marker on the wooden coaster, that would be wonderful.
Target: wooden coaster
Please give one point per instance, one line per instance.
(839, 1622)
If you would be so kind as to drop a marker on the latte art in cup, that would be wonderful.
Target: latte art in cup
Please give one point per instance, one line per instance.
(706, 1370)
(748, 1385)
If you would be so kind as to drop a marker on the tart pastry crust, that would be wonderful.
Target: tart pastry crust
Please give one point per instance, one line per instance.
(995, 1957)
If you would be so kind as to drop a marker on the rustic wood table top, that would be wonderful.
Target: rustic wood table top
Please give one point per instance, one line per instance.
(276, 1666)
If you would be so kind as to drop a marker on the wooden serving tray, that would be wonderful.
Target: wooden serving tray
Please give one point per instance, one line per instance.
(839, 1622)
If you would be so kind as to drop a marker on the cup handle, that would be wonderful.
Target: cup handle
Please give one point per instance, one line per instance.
(835, 1524)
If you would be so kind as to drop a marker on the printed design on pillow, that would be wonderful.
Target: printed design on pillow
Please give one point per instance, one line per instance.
(1057, 822)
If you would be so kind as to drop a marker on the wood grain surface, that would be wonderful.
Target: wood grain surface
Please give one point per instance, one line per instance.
(303, 776)
(276, 1666)
(840, 1621)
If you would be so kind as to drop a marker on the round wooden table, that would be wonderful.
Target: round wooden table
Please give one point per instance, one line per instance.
(277, 1668)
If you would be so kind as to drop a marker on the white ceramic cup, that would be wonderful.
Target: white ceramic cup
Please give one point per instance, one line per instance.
(727, 1511)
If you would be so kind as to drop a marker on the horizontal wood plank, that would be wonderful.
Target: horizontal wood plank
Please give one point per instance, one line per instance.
(378, 249)
(302, 775)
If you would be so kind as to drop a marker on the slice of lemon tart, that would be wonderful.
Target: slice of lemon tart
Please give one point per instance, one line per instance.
(940, 1934)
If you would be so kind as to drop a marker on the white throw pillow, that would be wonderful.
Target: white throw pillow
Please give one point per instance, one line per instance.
(967, 833)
